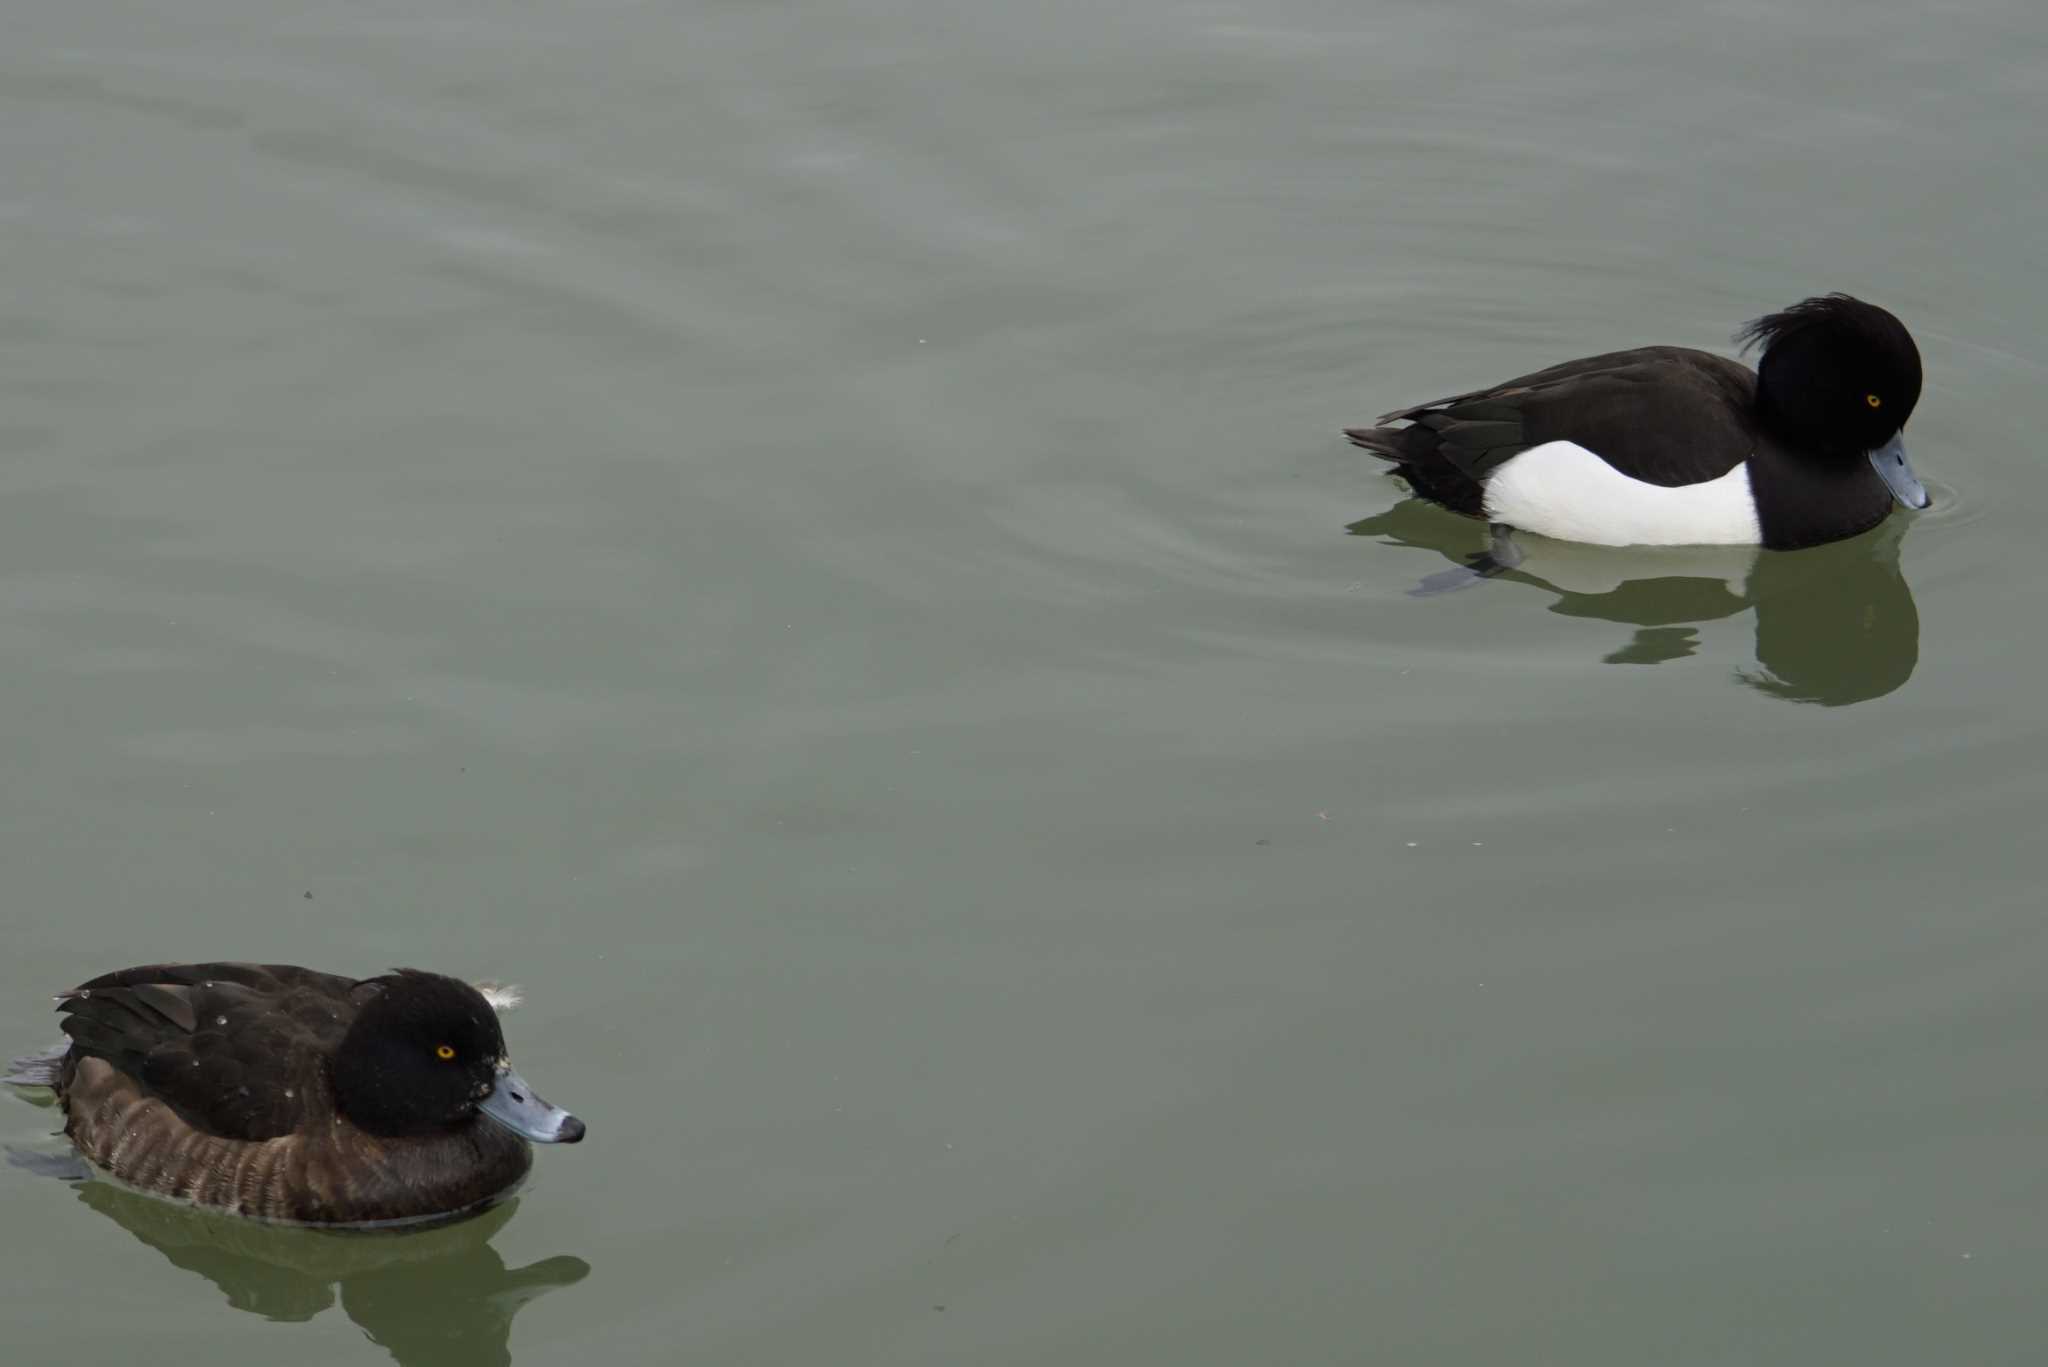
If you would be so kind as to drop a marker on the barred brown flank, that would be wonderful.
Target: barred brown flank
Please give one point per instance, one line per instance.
(345, 1177)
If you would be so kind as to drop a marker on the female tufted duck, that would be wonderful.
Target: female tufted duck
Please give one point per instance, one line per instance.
(284, 1094)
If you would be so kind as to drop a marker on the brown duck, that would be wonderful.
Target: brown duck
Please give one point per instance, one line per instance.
(285, 1094)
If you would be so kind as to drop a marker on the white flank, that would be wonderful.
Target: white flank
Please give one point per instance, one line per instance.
(503, 997)
(1563, 490)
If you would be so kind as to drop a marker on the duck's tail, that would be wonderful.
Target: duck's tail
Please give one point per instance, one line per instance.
(38, 1069)
(1413, 451)
(1384, 442)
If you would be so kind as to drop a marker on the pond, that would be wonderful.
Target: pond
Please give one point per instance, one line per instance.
(816, 538)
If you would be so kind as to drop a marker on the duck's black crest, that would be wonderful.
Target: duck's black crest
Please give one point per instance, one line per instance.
(1843, 314)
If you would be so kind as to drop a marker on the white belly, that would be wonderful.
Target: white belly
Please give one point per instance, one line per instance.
(1563, 490)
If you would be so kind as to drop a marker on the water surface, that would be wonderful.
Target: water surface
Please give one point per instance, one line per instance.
(814, 537)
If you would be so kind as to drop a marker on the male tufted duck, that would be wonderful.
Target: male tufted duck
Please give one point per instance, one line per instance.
(1671, 446)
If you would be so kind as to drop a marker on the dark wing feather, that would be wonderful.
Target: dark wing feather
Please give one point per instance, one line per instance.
(237, 1050)
(1551, 376)
(1664, 415)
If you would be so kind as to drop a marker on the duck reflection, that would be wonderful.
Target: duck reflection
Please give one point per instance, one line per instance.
(441, 1296)
(1835, 624)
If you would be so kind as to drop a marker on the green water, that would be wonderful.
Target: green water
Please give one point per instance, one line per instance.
(813, 537)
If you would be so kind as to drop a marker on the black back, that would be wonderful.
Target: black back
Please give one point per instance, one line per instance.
(237, 1050)
(1663, 415)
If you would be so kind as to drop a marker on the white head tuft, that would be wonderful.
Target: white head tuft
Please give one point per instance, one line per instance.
(503, 997)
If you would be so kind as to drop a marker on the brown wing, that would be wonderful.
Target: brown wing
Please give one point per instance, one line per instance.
(237, 1050)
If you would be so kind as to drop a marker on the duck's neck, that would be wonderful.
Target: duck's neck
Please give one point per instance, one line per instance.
(1803, 501)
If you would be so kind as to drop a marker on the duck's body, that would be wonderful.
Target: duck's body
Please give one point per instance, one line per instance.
(324, 1174)
(287, 1094)
(1668, 445)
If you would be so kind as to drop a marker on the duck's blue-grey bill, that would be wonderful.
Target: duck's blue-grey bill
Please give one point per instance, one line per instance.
(1889, 460)
(515, 1105)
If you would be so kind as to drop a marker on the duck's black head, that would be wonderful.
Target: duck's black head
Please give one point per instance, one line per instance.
(1836, 382)
(1837, 375)
(425, 1054)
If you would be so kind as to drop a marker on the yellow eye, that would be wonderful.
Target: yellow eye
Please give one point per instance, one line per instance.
(444, 1051)
(1873, 401)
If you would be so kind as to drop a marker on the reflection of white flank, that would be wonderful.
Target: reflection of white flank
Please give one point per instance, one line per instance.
(1563, 490)
(503, 997)
(1576, 568)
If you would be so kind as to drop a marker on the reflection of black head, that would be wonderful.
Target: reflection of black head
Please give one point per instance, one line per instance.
(1836, 624)
(458, 1313)
(438, 1296)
